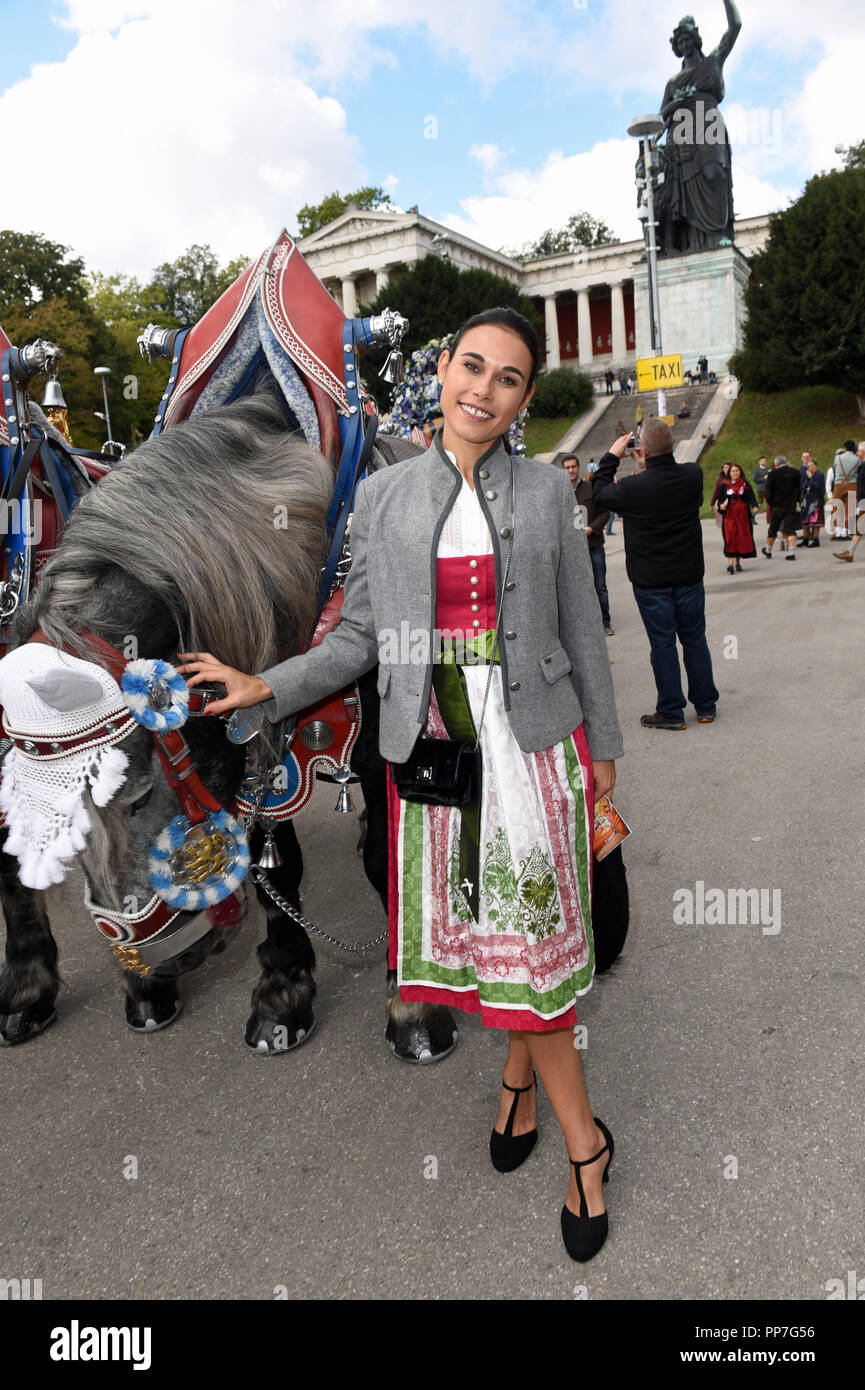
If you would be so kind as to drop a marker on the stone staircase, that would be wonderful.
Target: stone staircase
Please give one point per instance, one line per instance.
(596, 440)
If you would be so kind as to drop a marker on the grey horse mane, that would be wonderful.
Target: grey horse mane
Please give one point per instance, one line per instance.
(221, 518)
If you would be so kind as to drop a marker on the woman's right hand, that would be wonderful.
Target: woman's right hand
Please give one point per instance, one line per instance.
(241, 690)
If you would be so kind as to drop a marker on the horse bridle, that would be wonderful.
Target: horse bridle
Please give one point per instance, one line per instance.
(150, 931)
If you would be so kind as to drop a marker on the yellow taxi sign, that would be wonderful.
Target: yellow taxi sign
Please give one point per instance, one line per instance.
(654, 372)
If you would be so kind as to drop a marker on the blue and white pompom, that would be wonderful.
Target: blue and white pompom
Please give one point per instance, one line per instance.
(208, 895)
(137, 684)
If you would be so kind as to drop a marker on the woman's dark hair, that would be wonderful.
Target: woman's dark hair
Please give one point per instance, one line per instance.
(514, 322)
(728, 463)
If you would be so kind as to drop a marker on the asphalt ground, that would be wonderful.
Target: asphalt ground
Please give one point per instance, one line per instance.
(726, 1060)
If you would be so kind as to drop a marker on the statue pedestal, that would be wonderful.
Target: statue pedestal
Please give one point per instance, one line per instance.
(702, 306)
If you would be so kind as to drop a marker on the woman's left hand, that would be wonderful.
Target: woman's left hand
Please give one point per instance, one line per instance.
(605, 778)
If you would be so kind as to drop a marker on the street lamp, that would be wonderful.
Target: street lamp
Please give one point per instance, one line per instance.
(103, 372)
(643, 128)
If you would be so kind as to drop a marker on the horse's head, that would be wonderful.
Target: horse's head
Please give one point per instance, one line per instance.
(210, 536)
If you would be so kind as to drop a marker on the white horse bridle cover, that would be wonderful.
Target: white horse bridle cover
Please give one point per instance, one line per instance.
(78, 710)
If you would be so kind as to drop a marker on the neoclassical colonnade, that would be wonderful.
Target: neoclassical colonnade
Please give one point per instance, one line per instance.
(592, 325)
(350, 290)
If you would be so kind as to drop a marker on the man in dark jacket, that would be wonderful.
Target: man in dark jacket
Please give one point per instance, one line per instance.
(782, 500)
(594, 521)
(660, 507)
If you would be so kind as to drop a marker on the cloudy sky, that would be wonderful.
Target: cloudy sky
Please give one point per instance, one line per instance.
(152, 124)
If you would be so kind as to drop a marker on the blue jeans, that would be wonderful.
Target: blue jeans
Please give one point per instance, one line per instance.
(667, 613)
(610, 524)
(599, 565)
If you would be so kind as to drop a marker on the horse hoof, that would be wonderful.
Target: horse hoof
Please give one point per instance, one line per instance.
(26, 1023)
(149, 1015)
(425, 1040)
(267, 1036)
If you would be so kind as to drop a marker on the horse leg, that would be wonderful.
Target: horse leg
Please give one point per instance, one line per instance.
(153, 1001)
(419, 1033)
(282, 1016)
(28, 980)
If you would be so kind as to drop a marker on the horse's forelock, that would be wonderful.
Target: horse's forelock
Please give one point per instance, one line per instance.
(222, 518)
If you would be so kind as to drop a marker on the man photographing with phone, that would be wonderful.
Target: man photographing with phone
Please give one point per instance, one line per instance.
(660, 509)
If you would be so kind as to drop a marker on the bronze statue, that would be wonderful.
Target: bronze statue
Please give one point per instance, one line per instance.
(695, 203)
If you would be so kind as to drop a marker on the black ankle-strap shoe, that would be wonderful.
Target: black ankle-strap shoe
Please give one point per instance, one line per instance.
(509, 1150)
(584, 1235)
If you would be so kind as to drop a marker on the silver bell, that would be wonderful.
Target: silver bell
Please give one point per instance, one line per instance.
(392, 371)
(343, 806)
(53, 397)
(270, 857)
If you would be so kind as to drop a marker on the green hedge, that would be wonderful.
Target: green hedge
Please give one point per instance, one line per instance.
(561, 392)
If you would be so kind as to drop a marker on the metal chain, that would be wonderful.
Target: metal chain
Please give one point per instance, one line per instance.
(260, 877)
(359, 947)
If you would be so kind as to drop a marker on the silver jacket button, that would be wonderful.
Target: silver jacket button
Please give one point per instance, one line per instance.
(515, 685)
(505, 533)
(510, 586)
(483, 472)
(473, 564)
(476, 622)
(510, 636)
(476, 608)
(491, 496)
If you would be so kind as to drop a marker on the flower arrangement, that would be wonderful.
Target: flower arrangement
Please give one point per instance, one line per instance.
(416, 397)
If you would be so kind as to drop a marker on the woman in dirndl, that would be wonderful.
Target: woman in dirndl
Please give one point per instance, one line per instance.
(737, 506)
(490, 904)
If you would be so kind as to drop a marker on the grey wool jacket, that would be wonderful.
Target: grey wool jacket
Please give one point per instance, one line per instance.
(554, 664)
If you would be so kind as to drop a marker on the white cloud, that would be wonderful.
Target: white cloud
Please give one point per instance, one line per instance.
(191, 123)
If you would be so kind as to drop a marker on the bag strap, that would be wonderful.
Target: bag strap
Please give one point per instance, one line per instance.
(501, 601)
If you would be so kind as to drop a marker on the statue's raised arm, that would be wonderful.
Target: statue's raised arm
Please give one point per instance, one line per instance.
(734, 24)
(696, 204)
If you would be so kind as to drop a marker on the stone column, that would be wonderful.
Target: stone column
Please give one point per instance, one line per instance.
(552, 326)
(349, 298)
(620, 336)
(584, 329)
(381, 279)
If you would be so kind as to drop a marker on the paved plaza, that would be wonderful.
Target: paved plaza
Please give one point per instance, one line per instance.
(726, 1059)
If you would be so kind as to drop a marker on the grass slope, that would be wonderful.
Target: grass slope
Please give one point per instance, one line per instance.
(818, 418)
(542, 436)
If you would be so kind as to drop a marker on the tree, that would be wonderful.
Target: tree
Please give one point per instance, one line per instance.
(85, 343)
(183, 290)
(313, 216)
(33, 269)
(580, 233)
(436, 297)
(854, 158)
(806, 302)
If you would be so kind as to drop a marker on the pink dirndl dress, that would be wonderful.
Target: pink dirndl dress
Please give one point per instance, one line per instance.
(529, 952)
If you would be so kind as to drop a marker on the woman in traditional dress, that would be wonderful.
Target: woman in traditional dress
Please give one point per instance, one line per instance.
(738, 507)
(813, 492)
(490, 904)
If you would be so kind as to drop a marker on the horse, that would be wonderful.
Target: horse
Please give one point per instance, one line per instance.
(120, 578)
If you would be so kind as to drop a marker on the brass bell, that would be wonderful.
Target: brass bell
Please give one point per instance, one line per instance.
(53, 398)
(392, 371)
(270, 857)
(343, 806)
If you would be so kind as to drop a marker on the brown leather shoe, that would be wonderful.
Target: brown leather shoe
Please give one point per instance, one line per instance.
(843, 555)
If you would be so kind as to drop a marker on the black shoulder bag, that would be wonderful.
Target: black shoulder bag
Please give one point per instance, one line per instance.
(446, 771)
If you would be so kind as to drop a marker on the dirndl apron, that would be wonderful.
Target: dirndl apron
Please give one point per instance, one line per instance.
(490, 906)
